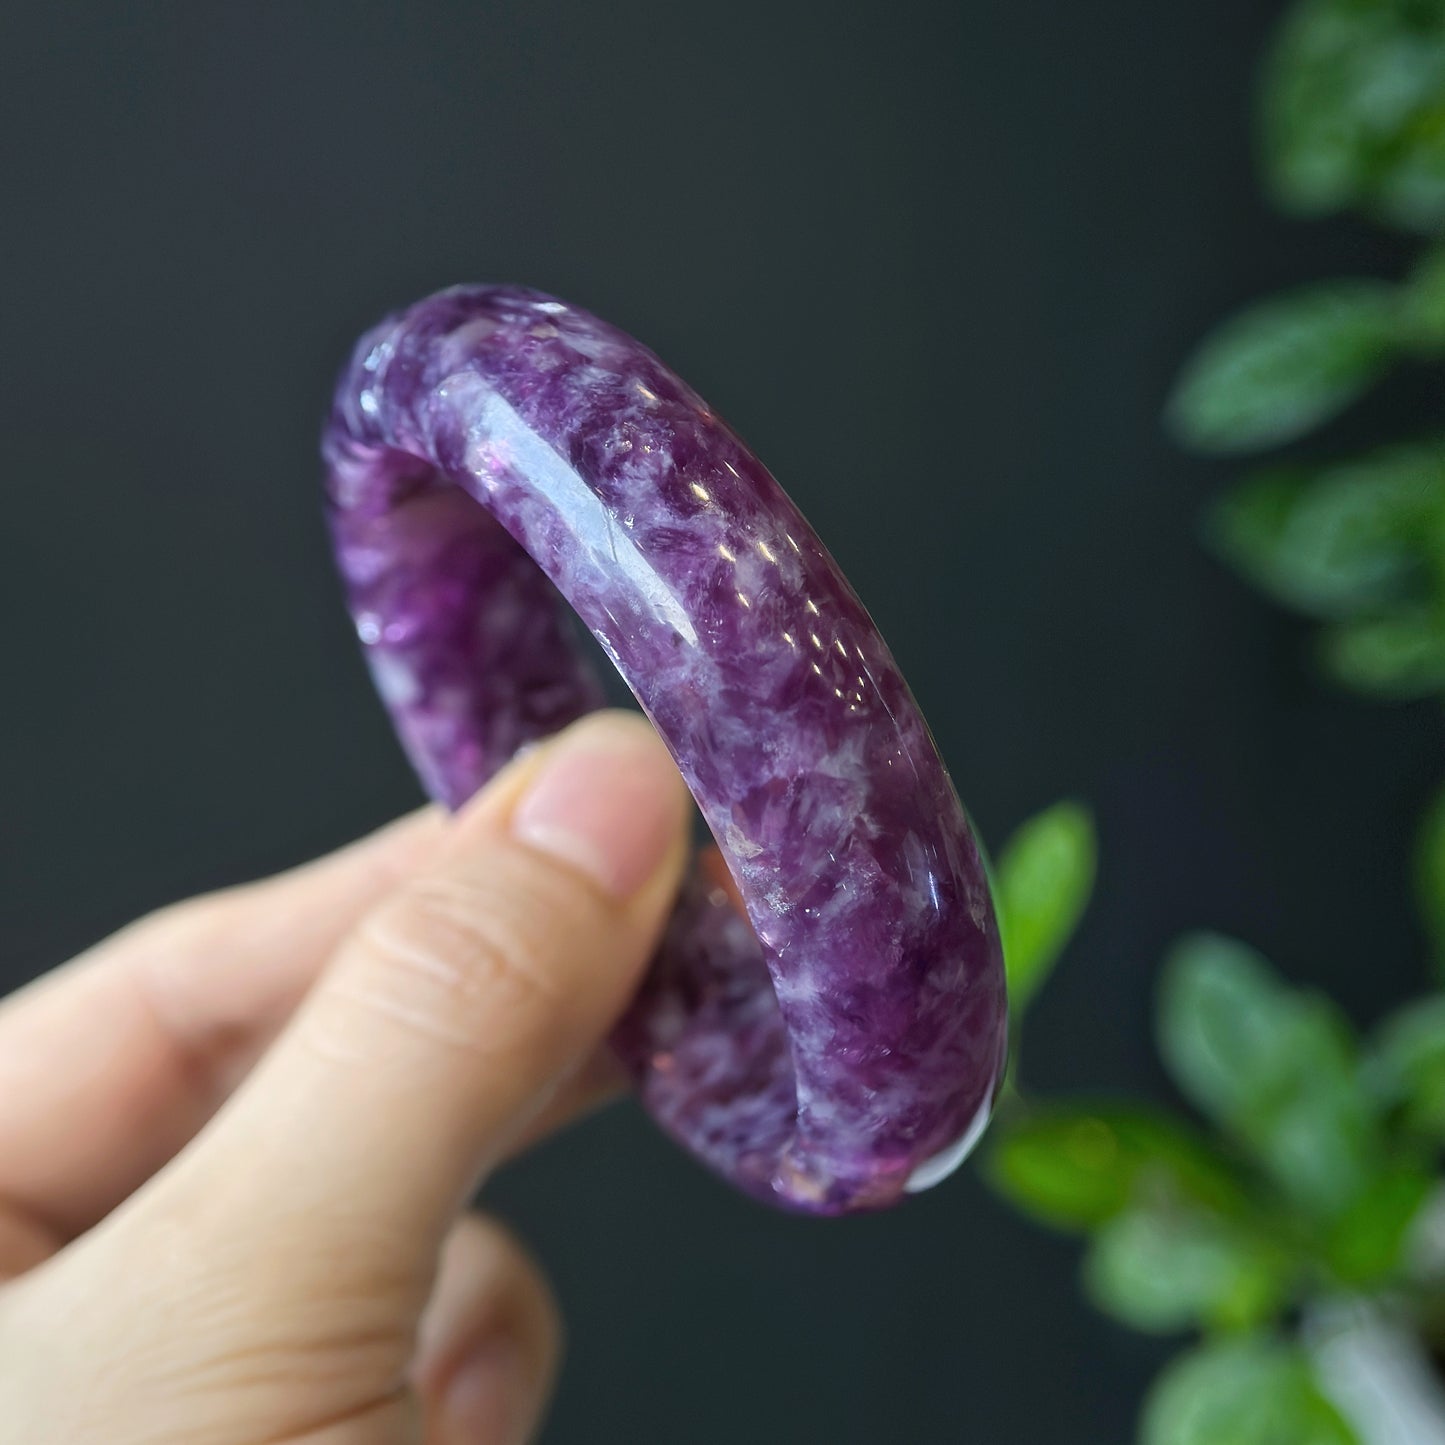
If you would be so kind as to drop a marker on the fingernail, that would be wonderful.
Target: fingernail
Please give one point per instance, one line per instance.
(605, 802)
(483, 1399)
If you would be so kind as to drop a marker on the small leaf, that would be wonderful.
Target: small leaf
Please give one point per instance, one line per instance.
(1362, 534)
(1411, 187)
(1406, 1066)
(1248, 527)
(1044, 878)
(1429, 875)
(1400, 656)
(1076, 1167)
(1280, 368)
(1223, 1017)
(1365, 1247)
(1275, 1067)
(1422, 303)
(1165, 1269)
(1250, 1391)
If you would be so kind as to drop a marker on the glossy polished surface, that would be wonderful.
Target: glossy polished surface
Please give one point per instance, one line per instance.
(854, 1055)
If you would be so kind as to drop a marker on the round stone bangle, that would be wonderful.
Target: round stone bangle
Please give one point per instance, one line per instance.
(494, 455)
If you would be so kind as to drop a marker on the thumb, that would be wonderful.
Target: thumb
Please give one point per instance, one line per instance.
(456, 1007)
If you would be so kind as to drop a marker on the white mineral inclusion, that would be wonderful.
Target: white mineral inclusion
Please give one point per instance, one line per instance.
(937, 1169)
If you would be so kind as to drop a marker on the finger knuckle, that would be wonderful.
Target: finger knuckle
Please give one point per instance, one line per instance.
(179, 926)
(448, 954)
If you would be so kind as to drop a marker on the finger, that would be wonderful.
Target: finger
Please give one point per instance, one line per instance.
(489, 1341)
(599, 1081)
(24, 1243)
(711, 865)
(110, 1064)
(451, 1014)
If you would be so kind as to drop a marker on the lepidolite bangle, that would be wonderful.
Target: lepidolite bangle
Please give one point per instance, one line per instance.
(493, 451)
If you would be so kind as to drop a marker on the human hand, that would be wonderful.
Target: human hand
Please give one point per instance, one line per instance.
(232, 1202)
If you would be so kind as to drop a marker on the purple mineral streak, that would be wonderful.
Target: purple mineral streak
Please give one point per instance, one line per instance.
(494, 455)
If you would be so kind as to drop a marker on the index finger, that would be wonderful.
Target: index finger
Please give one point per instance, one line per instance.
(111, 1063)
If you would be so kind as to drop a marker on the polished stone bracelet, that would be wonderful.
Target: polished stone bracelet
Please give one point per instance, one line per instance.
(495, 456)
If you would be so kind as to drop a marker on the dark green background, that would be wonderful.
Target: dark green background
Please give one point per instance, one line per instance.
(937, 262)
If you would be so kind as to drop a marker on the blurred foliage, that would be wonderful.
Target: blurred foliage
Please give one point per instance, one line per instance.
(1316, 1150)
(1360, 545)
(1316, 1154)
(1162, 1270)
(1430, 877)
(1273, 1067)
(1282, 366)
(1251, 1391)
(1080, 1166)
(1406, 1071)
(1355, 91)
(1353, 111)
(1042, 881)
(1352, 117)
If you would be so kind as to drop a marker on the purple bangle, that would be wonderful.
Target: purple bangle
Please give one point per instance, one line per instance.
(493, 455)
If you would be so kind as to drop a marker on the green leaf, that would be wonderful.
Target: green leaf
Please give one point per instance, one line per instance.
(1044, 878)
(1251, 1391)
(1226, 1025)
(1368, 1241)
(1349, 101)
(1165, 1269)
(1411, 188)
(1076, 1167)
(1401, 656)
(1284, 365)
(1422, 303)
(1248, 527)
(1362, 534)
(1406, 1066)
(1275, 1067)
(1429, 875)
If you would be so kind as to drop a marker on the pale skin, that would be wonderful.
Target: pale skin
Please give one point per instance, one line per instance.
(238, 1138)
